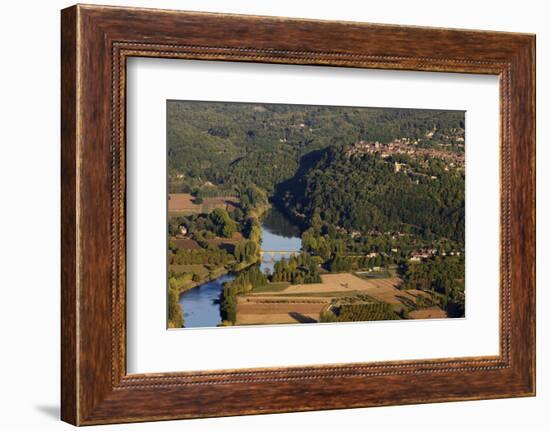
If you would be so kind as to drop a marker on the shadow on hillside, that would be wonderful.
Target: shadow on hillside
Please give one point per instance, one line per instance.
(289, 189)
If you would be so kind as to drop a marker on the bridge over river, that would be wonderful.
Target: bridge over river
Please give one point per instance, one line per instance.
(273, 254)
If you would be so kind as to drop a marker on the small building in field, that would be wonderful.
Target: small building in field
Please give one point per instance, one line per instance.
(183, 229)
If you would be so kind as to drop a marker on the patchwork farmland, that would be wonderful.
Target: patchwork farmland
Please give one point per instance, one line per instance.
(304, 303)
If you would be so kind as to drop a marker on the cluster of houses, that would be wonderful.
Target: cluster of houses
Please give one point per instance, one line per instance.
(353, 233)
(419, 255)
(407, 146)
(371, 232)
(415, 256)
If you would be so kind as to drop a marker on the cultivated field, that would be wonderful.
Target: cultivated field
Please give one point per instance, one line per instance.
(277, 307)
(273, 319)
(383, 289)
(184, 204)
(186, 244)
(302, 303)
(428, 313)
(227, 243)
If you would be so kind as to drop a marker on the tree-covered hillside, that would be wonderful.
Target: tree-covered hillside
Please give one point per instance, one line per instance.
(233, 144)
(365, 193)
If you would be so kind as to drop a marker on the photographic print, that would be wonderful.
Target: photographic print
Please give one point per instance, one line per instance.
(288, 214)
(296, 202)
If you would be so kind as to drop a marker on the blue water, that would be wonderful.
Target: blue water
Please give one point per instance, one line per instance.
(278, 233)
(201, 306)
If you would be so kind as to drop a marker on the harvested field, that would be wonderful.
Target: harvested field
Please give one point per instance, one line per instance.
(272, 319)
(273, 309)
(382, 289)
(275, 297)
(237, 237)
(277, 286)
(186, 244)
(183, 203)
(279, 307)
(428, 313)
(323, 295)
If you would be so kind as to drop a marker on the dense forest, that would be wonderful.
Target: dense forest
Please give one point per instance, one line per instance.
(364, 193)
(234, 144)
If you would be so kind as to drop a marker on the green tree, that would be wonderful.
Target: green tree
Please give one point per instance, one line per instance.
(223, 223)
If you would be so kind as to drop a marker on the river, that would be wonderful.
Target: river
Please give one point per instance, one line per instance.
(201, 307)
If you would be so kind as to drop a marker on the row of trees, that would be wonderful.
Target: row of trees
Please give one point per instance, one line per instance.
(244, 282)
(247, 251)
(216, 256)
(358, 312)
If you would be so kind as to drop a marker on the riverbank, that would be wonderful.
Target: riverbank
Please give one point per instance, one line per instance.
(201, 303)
(259, 211)
(212, 275)
(216, 273)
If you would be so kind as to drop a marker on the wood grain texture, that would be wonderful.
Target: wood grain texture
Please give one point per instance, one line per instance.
(69, 396)
(96, 41)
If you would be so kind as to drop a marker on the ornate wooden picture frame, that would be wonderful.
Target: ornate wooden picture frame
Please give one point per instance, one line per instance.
(96, 41)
